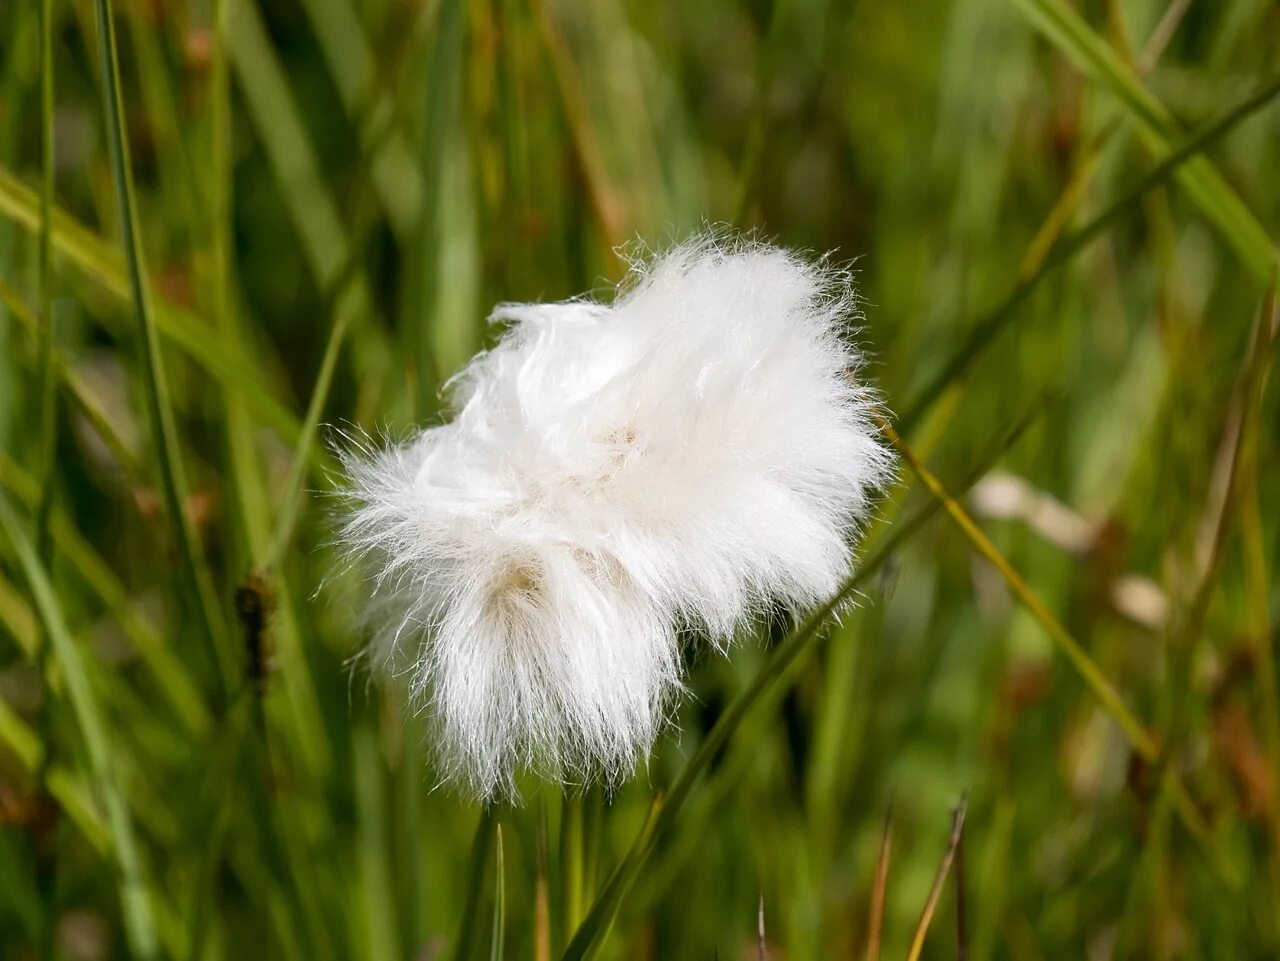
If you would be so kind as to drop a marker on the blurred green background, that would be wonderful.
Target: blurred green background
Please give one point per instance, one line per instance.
(1062, 217)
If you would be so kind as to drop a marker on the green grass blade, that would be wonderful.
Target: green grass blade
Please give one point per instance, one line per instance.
(351, 63)
(170, 672)
(160, 410)
(499, 902)
(277, 119)
(469, 927)
(46, 378)
(138, 912)
(1144, 743)
(72, 796)
(773, 675)
(986, 329)
(374, 877)
(1067, 30)
(291, 495)
(100, 261)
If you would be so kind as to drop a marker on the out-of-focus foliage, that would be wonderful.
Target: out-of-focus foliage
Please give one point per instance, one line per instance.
(390, 170)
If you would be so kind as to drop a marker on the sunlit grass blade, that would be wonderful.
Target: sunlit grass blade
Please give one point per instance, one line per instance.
(986, 328)
(81, 394)
(1067, 30)
(939, 879)
(164, 428)
(172, 676)
(1142, 741)
(72, 796)
(101, 262)
(135, 897)
(595, 927)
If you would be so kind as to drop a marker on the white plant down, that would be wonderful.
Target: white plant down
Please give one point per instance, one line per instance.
(616, 478)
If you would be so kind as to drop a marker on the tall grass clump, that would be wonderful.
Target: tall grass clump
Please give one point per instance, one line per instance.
(337, 621)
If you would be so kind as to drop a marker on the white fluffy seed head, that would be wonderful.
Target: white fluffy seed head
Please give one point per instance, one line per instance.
(616, 476)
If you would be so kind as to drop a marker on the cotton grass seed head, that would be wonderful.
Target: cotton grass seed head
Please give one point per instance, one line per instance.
(616, 478)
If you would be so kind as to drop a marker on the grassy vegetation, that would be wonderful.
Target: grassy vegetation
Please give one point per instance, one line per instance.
(225, 225)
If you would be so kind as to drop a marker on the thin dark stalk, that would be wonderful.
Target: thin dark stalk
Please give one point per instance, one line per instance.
(46, 861)
(195, 570)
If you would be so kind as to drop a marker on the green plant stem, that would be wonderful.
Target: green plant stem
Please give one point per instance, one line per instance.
(195, 570)
(987, 327)
(46, 865)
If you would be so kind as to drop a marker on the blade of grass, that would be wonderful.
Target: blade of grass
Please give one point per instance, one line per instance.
(599, 921)
(572, 829)
(88, 404)
(1257, 579)
(46, 865)
(45, 378)
(374, 877)
(541, 893)
(469, 925)
(499, 902)
(1067, 30)
(774, 675)
(1141, 740)
(606, 204)
(195, 570)
(170, 673)
(935, 892)
(351, 63)
(346, 307)
(72, 796)
(135, 897)
(1073, 192)
(986, 328)
(102, 263)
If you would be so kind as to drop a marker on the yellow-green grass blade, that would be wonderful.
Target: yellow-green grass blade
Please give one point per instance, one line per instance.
(136, 899)
(374, 877)
(83, 396)
(278, 121)
(102, 262)
(775, 674)
(469, 926)
(252, 499)
(170, 672)
(1067, 30)
(498, 934)
(986, 328)
(72, 796)
(351, 64)
(159, 408)
(1143, 742)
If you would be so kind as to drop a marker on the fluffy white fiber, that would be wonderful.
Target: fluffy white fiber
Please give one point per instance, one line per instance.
(616, 477)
